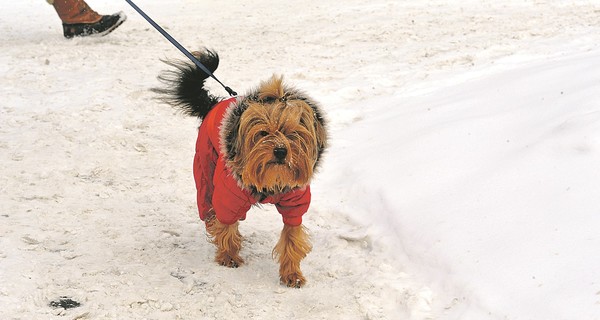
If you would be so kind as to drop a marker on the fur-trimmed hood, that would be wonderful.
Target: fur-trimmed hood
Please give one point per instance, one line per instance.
(230, 126)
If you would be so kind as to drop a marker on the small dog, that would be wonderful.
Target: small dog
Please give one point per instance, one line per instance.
(263, 147)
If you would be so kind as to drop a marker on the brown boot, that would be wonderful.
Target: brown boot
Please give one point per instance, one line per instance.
(79, 20)
(75, 11)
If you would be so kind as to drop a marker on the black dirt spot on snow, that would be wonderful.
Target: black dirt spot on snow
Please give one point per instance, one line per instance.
(65, 303)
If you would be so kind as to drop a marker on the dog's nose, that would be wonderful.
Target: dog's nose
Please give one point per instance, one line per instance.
(280, 153)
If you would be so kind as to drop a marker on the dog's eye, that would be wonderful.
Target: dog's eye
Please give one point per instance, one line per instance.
(268, 99)
(263, 133)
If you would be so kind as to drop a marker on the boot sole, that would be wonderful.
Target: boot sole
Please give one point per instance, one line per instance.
(122, 18)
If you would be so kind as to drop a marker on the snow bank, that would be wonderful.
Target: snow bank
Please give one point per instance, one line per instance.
(490, 185)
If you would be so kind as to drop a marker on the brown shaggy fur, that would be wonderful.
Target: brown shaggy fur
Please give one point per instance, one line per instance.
(228, 240)
(292, 247)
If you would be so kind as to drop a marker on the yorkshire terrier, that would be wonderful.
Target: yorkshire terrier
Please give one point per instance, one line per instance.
(263, 147)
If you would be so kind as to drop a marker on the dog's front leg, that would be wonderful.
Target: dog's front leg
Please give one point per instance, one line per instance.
(292, 247)
(228, 240)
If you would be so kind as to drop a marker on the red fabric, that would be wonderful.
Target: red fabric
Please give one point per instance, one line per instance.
(217, 188)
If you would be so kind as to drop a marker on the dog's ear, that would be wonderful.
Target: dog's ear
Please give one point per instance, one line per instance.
(320, 125)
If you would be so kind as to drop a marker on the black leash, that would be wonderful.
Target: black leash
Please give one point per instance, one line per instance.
(181, 48)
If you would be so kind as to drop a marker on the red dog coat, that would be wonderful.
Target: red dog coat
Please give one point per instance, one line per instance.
(217, 188)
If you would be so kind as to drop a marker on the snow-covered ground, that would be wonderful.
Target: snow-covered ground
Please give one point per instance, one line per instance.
(462, 180)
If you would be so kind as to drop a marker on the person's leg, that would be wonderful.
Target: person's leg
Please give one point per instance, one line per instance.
(80, 20)
(75, 11)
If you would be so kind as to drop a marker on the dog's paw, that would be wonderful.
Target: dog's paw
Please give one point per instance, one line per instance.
(229, 261)
(294, 280)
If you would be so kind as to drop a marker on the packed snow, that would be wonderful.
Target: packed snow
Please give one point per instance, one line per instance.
(462, 180)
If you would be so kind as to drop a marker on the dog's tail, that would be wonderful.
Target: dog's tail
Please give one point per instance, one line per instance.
(184, 86)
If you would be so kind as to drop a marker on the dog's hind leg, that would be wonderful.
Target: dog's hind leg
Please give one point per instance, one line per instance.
(292, 247)
(228, 240)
